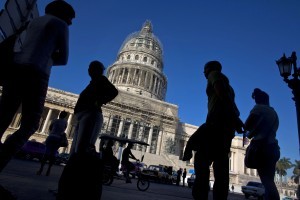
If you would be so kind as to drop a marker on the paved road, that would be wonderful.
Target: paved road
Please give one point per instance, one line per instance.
(20, 178)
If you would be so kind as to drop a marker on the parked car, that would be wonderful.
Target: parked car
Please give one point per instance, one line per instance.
(32, 150)
(255, 189)
(191, 180)
(159, 173)
(62, 158)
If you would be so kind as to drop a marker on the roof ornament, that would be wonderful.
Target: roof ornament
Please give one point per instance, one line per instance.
(147, 28)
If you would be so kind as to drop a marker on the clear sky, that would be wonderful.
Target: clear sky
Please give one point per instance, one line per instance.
(245, 36)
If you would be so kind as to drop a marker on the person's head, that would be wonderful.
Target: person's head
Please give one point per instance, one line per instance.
(96, 68)
(62, 10)
(63, 114)
(129, 145)
(212, 66)
(110, 143)
(260, 97)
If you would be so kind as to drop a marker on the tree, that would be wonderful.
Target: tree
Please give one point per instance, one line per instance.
(282, 165)
(296, 175)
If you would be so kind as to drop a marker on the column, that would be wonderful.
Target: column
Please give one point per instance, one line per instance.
(140, 77)
(47, 120)
(146, 77)
(149, 139)
(110, 121)
(120, 127)
(122, 76)
(159, 138)
(128, 76)
(158, 87)
(130, 130)
(154, 85)
(69, 123)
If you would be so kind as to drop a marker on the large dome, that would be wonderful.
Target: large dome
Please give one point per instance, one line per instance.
(139, 65)
(143, 40)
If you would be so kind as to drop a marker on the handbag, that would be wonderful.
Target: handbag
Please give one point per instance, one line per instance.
(64, 140)
(254, 154)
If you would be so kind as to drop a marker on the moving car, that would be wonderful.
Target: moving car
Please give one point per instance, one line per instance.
(255, 189)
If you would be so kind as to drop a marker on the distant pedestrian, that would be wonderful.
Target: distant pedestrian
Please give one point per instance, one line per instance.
(45, 45)
(54, 141)
(183, 177)
(262, 124)
(179, 173)
(232, 188)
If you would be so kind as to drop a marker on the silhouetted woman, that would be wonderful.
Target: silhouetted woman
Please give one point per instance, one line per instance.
(262, 124)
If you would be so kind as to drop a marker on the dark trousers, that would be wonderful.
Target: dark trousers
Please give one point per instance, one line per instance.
(28, 87)
(267, 171)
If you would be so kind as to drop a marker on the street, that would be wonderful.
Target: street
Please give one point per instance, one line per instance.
(20, 178)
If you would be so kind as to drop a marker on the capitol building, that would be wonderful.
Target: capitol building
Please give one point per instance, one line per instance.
(139, 111)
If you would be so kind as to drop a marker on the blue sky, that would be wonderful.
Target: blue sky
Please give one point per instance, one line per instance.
(245, 36)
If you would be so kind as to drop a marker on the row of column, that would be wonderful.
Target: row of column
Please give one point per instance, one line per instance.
(147, 80)
(140, 133)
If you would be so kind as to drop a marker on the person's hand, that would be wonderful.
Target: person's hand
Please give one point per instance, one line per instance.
(187, 155)
(240, 126)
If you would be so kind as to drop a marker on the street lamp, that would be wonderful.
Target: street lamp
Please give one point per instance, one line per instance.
(286, 65)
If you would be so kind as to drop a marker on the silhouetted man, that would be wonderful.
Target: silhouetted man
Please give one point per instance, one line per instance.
(221, 123)
(46, 44)
(125, 161)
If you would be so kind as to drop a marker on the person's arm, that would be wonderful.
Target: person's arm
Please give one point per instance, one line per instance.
(60, 56)
(110, 92)
(250, 124)
(132, 156)
(221, 90)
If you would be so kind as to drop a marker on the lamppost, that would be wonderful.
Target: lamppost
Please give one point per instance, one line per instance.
(286, 65)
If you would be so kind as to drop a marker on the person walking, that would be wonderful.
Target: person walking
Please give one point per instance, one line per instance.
(84, 169)
(262, 124)
(129, 166)
(53, 142)
(88, 110)
(183, 177)
(221, 123)
(45, 45)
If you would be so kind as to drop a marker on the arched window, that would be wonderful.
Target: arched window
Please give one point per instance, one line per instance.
(128, 57)
(136, 57)
(145, 59)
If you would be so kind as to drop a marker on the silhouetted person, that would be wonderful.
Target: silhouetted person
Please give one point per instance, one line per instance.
(129, 166)
(45, 45)
(262, 124)
(232, 188)
(108, 156)
(183, 177)
(179, 172)
(88, 109)
(53, 142)
(221, 123)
